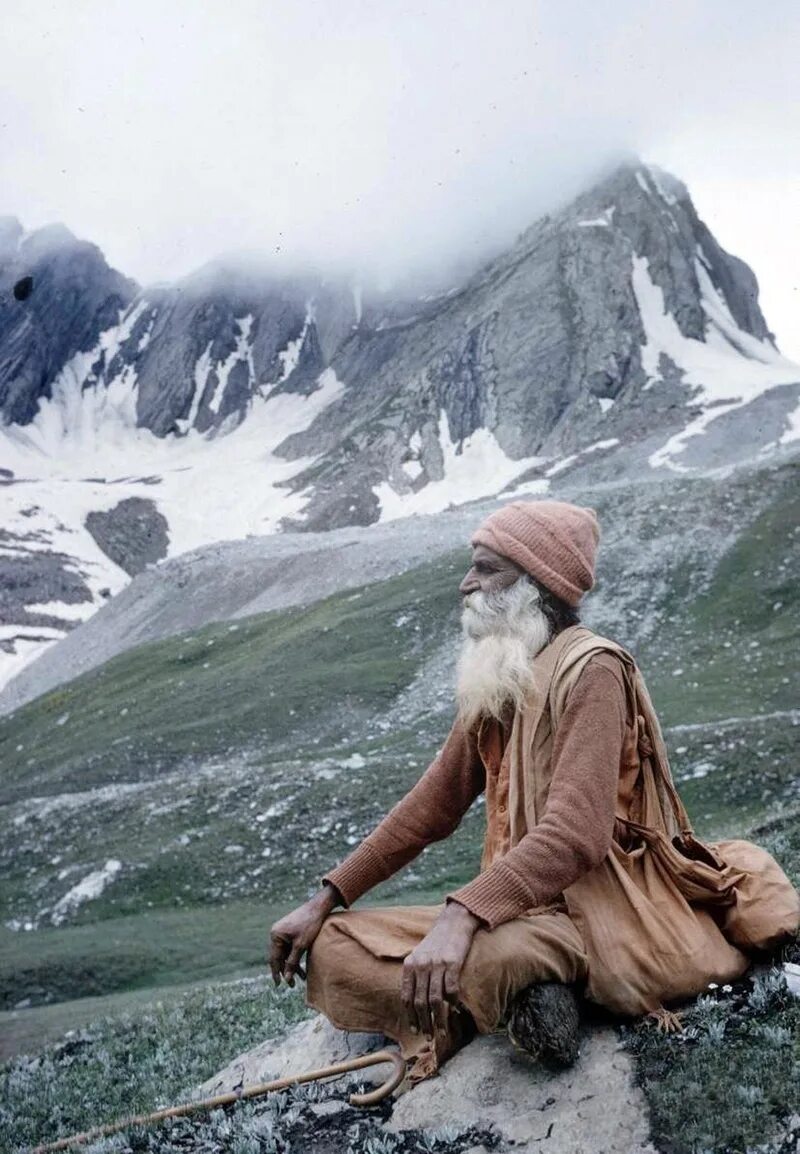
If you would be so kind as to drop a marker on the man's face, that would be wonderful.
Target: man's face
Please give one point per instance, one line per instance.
(504, 627)
(490, 572)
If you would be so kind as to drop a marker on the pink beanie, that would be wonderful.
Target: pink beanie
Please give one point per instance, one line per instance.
(552, 540)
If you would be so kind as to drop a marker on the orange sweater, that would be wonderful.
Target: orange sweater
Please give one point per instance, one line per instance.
(574, 832)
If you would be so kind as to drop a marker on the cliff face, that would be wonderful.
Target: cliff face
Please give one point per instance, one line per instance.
(596, 328)
(77, 297)
(614, 338)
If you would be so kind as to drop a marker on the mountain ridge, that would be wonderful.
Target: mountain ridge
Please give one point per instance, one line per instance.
(614, 338)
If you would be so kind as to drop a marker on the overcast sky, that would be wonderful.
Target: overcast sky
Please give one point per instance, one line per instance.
(393, 137)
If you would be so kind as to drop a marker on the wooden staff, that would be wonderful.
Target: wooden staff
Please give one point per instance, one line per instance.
(368, 1099)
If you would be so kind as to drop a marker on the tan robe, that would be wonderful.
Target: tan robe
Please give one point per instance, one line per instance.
(624, 930)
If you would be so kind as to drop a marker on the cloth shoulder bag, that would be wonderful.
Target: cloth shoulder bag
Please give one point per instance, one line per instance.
(665, 914)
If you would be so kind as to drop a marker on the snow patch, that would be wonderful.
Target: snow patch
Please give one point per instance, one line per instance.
(87, 890)
(413, 467)
(290, 356)
(202, 370)
(605, 403)
(242, 352)
(602, 221)
(112, 340)
(662, 182)
(144, 340)
(83, 452)
(24, 649)
(565, 462)
(729, 369)
(66, 610)
(792, 430)
(477, 467)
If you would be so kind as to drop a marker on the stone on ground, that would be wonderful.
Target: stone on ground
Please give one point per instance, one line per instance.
(309, 1045)
(591, 1108)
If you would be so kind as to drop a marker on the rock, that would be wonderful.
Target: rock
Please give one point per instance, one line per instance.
(76, 298)
(792, 974)
(309, 1045)
(325, 1109)
(133, 533)
(592, 1108)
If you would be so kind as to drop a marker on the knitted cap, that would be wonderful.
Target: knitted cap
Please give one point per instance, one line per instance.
(552, 540)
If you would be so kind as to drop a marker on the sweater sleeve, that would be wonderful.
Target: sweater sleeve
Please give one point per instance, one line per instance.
(574, 832)
(429, 812)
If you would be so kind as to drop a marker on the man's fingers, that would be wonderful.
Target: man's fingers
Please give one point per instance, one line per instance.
(421, 1002)
(452, 983)
(293, 961)
(436, 997)
(407, 995)
(277, 956)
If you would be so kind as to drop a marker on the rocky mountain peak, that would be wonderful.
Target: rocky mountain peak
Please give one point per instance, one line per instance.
(614, 338)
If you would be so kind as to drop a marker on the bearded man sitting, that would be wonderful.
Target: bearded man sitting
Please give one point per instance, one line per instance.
(581, 886)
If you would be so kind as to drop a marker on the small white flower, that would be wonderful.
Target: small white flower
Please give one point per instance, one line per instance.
(727, 989)
(713, 986)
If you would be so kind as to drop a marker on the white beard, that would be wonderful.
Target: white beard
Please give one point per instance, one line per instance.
(502, 633)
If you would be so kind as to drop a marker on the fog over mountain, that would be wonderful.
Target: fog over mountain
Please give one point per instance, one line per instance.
(397, 140)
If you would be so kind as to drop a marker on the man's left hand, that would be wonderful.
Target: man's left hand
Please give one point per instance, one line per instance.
(432, 971)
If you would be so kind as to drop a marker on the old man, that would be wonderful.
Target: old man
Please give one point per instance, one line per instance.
(591, 882)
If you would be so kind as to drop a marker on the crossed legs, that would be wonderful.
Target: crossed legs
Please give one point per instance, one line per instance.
(355, 970)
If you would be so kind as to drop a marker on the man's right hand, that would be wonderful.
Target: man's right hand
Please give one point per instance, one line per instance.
(293, 934)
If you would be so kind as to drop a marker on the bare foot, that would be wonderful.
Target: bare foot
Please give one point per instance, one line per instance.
(544, 1023)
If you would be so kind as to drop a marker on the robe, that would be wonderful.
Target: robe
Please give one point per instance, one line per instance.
(569, 888)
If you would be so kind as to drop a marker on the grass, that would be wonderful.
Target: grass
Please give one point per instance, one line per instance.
(29, 1030)
(138, 1062)
(316, 672)
(160, 947)
(730, 1081)
(157, 948)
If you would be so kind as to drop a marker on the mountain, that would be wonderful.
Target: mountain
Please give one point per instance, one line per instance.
(614, 339)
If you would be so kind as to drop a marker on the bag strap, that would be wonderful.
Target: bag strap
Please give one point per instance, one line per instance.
(653, 751)
(581, 646)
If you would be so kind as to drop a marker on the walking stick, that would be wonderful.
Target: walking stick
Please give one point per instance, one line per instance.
(368, 1099)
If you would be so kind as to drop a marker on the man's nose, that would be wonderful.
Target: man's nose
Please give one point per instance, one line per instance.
(469, 585)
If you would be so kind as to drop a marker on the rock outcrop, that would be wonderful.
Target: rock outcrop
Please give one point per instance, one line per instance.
(74, 298)
(592, 1108)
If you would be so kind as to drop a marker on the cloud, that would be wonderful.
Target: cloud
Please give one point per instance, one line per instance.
(387, 138)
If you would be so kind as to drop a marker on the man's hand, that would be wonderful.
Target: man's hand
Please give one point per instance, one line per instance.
(432, 970)
(293, 934)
